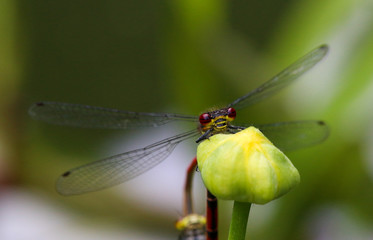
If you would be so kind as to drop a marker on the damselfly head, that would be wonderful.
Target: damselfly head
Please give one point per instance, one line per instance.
(217, 120)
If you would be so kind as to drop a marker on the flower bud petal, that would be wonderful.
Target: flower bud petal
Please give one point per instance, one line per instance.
(245, 167)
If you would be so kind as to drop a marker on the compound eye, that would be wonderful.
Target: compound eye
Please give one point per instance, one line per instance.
(204, 118)
(232, 113)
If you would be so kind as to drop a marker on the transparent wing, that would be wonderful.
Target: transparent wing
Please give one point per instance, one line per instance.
(97, 117)
(282, 79)
(289, 136)
(119, 168)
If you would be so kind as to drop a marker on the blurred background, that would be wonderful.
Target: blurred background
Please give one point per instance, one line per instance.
(182, 56)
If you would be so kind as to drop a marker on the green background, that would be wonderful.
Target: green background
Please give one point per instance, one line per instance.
(185, 56)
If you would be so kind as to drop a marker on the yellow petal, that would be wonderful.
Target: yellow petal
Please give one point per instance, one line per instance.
(245, 167)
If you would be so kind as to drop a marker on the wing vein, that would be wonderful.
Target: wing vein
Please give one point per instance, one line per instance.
(119, 168)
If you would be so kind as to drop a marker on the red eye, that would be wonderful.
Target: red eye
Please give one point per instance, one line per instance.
(232, 113)
(204, 118)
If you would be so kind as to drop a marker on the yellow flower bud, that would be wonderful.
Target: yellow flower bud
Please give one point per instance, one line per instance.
(245, 167)
(191, 221)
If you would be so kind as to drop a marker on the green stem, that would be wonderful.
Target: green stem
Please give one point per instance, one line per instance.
(240, 215)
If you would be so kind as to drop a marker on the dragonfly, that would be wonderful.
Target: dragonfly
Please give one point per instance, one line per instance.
(119, 168)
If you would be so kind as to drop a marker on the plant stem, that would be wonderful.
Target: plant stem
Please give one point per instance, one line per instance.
(240, 215)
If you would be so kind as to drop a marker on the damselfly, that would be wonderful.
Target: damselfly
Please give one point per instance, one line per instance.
(120, 168)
